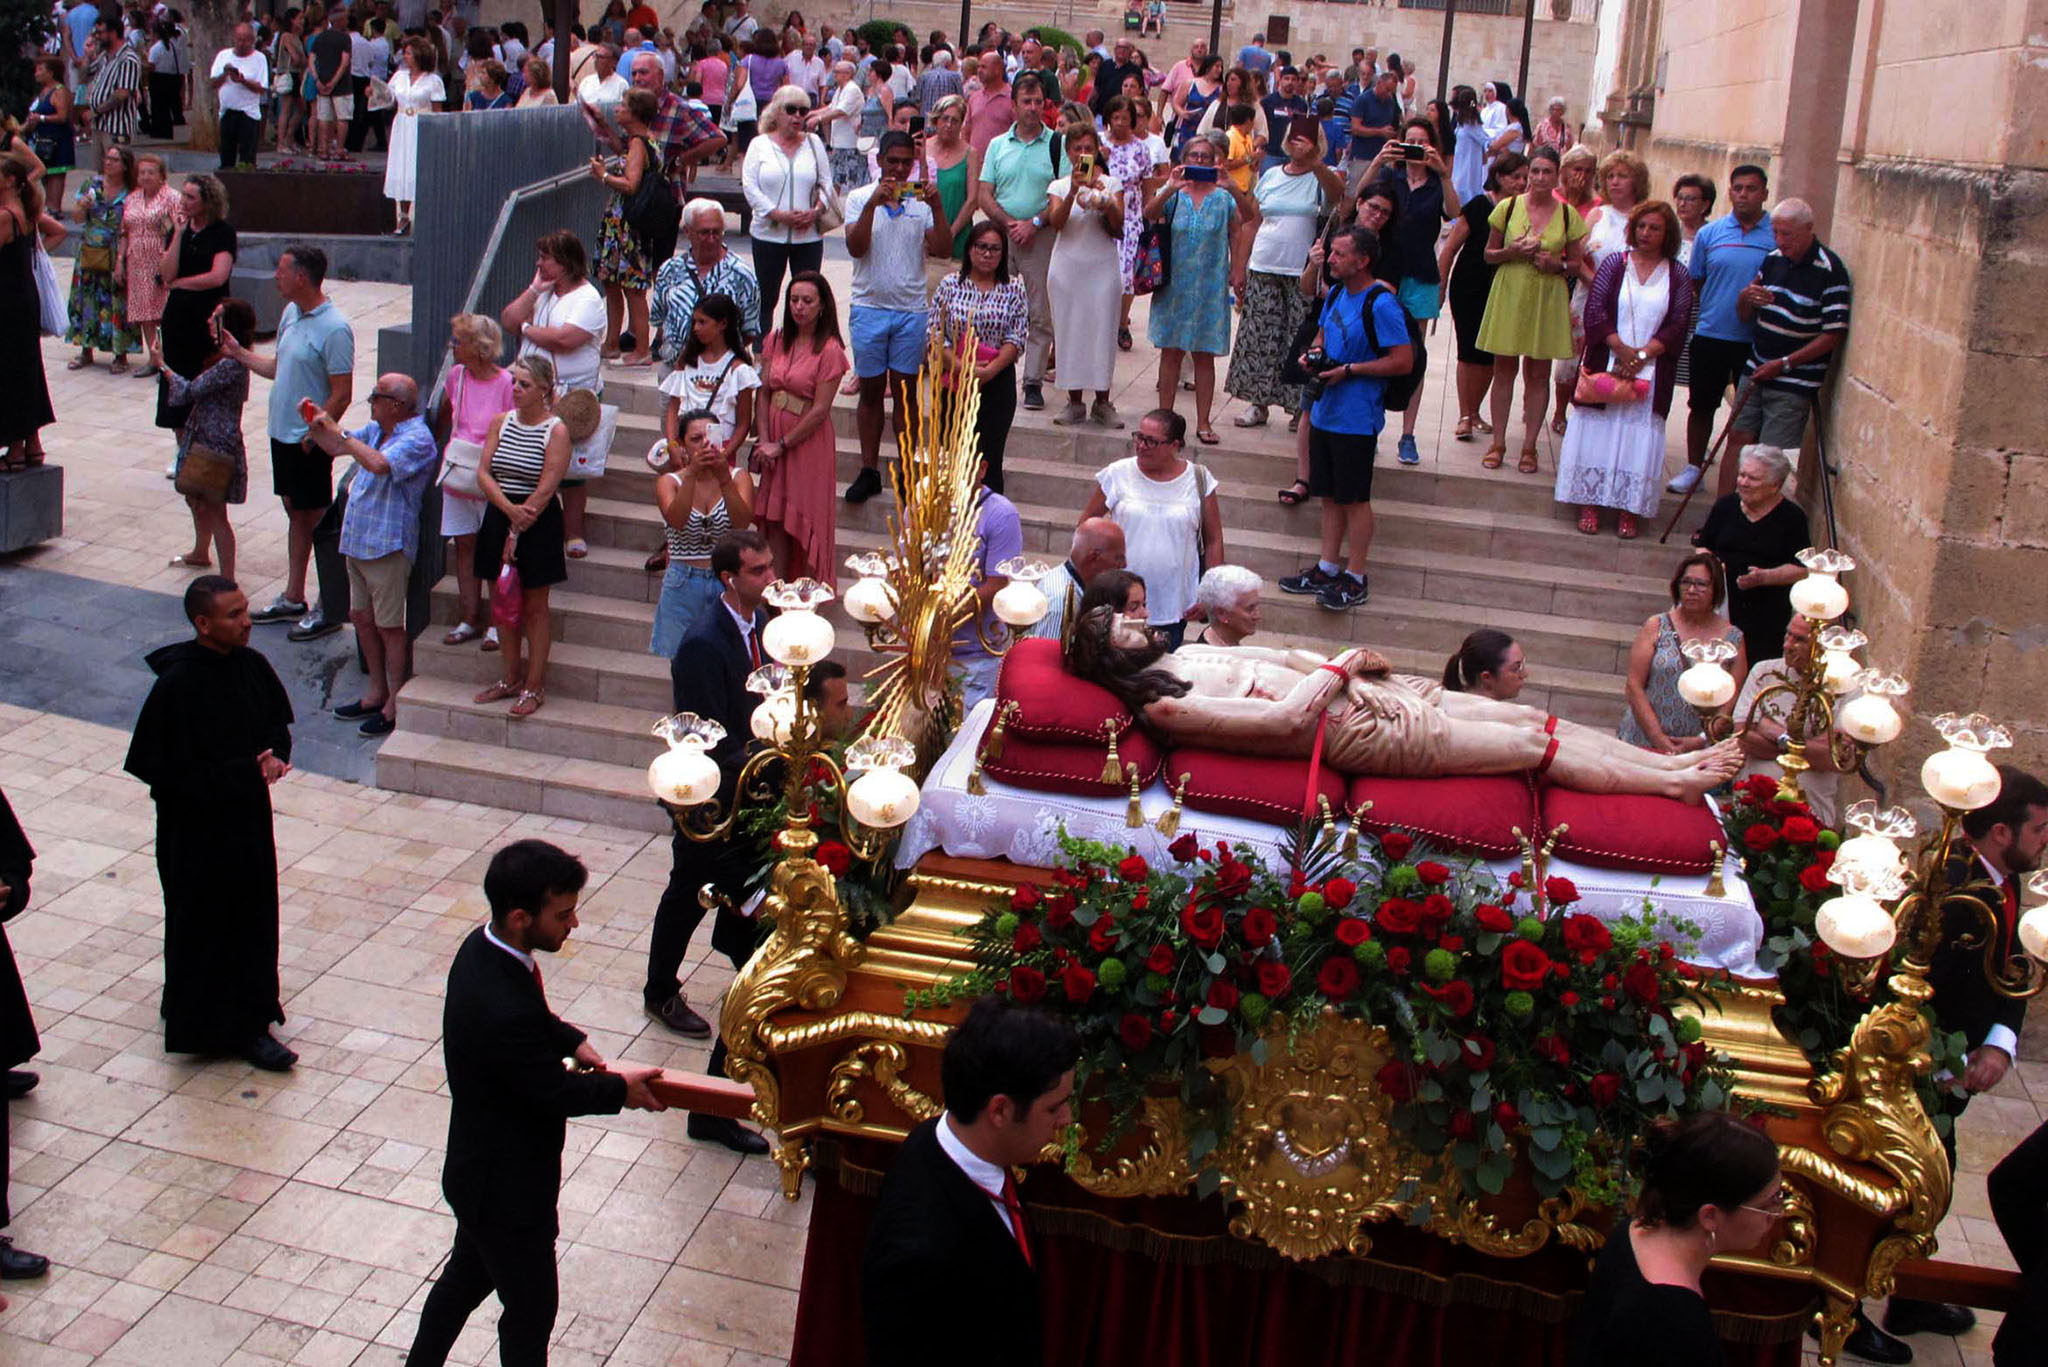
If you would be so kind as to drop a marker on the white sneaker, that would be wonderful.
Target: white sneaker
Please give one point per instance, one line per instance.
(1685, 481)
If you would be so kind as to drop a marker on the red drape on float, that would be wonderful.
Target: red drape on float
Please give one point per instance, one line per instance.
(1161, 1280)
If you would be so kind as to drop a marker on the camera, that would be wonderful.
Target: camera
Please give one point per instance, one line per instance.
(1313, 363)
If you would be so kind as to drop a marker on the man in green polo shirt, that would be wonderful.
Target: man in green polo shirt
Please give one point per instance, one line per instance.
(1015, 171)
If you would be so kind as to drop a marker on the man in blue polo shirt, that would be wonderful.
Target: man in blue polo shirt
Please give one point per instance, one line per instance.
(1375, 117)
(1726, 255)
(1015, 171)
(1253, 56)
(1799, 302)
(1344, 423)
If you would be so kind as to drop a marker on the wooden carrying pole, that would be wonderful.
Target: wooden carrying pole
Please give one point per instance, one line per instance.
(1443, 63)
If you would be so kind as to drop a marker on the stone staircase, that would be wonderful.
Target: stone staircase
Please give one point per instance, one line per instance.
(1456, 547)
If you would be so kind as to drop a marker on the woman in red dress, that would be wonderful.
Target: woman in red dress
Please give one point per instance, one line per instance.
(795, 458)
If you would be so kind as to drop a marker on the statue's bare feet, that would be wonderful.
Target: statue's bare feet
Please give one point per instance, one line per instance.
(1721, 753)
(1711, 768)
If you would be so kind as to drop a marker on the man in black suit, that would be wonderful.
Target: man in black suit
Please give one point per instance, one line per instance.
(512, 1096)
(18, 1041)
(949, 1260)
(709, 677)
(2018, 1188)
(2007, 838)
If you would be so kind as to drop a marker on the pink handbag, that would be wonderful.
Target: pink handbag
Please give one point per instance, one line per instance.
(507, 599)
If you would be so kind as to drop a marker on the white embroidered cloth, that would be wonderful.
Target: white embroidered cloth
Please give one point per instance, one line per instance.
(1023, 825)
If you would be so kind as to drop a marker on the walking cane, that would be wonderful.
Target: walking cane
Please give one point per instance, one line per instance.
(1741, 397)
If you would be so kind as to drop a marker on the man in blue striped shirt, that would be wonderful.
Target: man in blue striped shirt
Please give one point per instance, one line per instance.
(1799, 303)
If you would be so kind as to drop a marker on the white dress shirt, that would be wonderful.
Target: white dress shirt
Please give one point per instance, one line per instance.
(980, 1171)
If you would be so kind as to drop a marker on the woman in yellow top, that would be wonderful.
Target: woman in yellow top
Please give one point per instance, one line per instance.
(1534, 241)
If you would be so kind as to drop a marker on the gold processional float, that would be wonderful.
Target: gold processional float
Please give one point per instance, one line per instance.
(815, 1021)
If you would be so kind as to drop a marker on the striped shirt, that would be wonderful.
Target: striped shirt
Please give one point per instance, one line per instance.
(997, 316)
(1808, 297)
(521, 455)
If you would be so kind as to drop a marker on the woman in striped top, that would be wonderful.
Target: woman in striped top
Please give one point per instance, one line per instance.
(524, 460)
(984, 298)
(701, 498)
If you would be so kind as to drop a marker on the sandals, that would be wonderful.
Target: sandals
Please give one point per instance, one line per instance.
(1206, 436)
(576, 549)
(119, 367)
(1557, 425)
(1123, 339)
(1628, 529)
(1463, 431)
(1495, 454)
(1294, 493)
(498, 692)
(78, 363)
(1527, 464)
(1589, 520)
(186, 562)
(147, 371)
(1255, 416)
(462, 632)
(635, 362)
(529, 702)
(1481, 425)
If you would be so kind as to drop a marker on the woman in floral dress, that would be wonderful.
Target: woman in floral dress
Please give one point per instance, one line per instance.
(624, 271)
(148, 219)
(99, 298)
(1130, 162)
(216, 395)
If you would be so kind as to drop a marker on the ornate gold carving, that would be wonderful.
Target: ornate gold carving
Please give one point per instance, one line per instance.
(1158, 1168)
(1309, 1154)
(882, 1063)
(1798, 1231)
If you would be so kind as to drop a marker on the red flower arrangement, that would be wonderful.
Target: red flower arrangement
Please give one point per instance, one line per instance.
(1505, 1025)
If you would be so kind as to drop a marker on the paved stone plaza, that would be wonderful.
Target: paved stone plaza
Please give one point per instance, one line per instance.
(210, 1215)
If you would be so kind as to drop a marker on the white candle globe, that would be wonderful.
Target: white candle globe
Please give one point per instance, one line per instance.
(1821, 597)
(1838, 670)
(1870, 720)
(2034, 931)
(1020, 604)
(683, 776)
(883, 798)
(1706, 685)
(1871, 856)
(1855, 926)
(798, 638)
(1959, 779)
(868, 601)
(775, 718)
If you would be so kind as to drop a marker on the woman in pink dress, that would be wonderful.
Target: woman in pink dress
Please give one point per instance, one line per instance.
(795, 458)
(148, 217)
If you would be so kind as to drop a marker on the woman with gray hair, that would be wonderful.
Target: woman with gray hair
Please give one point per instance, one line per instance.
(1227, 600)
(1755, 532)
(478, 389)
(785, 173)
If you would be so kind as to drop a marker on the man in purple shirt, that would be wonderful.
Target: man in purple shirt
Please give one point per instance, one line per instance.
(1002, 538)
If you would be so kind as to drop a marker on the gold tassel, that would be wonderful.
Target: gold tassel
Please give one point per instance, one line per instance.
(1715, 886)
(974, 783)
(1169, 820)
(994, 748)
(1329, 836)
(1134, 816)
(1112, 768)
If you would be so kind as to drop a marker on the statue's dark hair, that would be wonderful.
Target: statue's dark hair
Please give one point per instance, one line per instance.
(1127, 673)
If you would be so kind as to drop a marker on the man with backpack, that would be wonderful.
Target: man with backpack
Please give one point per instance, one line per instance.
(1362, 364)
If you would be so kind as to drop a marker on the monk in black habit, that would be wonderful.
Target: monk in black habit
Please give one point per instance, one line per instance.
(214, 734)
(18, 1041)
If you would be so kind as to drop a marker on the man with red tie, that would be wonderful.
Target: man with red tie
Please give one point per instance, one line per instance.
(949, 1272)
(511, 1097)
(709, 677)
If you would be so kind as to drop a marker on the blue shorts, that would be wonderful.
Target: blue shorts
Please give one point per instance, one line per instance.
(884, 340)
(1420, 300)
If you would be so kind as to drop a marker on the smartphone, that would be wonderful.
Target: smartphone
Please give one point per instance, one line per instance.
(1201, 175)
(1412, 151)
(906, 193)
(308, 410)
(1084, 166)
(917, 125)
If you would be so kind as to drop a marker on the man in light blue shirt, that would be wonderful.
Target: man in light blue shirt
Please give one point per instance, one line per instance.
(79, 22)
(315, 362)
(1015, 171)
(395, 457)
(1727, 254)
(1253, 56)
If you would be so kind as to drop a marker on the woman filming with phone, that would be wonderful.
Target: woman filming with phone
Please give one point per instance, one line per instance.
(1085, 211)
(210, 443)
(1211, 222)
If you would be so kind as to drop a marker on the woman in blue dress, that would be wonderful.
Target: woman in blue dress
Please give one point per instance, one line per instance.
(1211, 221)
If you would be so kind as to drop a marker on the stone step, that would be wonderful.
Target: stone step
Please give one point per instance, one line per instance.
(521, 780)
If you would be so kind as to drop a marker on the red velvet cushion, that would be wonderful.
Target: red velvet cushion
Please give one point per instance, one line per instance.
(1056, 706)
(1476, 814)
(1073, 767)
(1632, 830)
(1251, 786)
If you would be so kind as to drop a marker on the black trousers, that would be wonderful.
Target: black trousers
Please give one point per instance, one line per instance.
(2019, 1203)
(517, 1264)
(166, 103)
(239, 136)
(773, 261)
(329, 566)
(366, 122)
(679, 913)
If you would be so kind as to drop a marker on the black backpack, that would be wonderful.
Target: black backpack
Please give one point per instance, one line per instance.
(652, 212)
(1397, 390)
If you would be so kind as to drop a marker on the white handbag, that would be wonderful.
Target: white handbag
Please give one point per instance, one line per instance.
(458, 468)
(49, 296)
(587, 457)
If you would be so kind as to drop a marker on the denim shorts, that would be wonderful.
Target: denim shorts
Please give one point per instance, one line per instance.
(687, 593)
(884, 339)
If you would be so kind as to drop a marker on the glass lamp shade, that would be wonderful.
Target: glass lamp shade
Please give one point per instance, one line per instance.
(868, 601)
(1706, 685)
(1855, 926)
(1820, 597)
(1020, 604)
(683, 775)
(1960, 779)
(1870, 719)
(798, 638)
(775, 718)
(883, 798)
(1839, 670)
(2034, 931)
(1870, 856)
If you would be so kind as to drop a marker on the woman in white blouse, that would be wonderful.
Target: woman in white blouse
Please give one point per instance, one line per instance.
(785, 174)
(415, 90)
(1170, 515)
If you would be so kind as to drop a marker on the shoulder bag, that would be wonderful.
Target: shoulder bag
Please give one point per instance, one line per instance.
(460, 458)
(1152, 265)
(830, 206)
(651, 211)
(205, 474)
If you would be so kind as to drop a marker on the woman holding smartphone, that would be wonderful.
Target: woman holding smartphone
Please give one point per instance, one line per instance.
(1085, 211)
(1212, 223)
